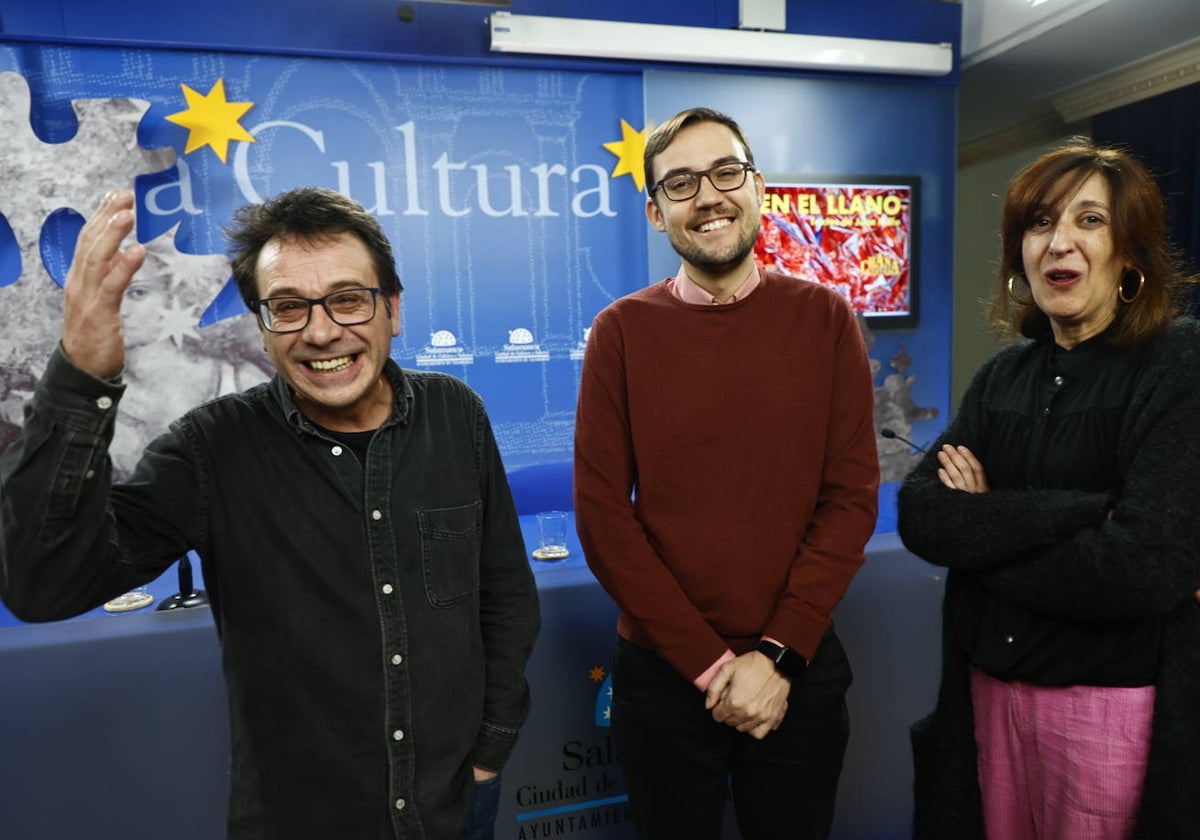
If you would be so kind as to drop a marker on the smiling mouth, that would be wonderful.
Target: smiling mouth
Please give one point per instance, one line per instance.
(714, 224)
(330, 365)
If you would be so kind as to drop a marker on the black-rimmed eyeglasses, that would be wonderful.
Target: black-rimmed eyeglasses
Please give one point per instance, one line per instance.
(684, 185)
(289, 313)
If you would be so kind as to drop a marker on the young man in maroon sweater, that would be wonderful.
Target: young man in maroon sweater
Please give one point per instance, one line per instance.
(725, 485)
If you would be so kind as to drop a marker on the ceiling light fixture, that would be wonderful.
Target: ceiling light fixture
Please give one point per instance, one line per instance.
(576, 37)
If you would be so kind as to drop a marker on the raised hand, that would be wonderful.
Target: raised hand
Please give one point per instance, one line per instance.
(93, 332)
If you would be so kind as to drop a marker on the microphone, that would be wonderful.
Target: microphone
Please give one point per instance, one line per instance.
(890, 434)
(188, 595)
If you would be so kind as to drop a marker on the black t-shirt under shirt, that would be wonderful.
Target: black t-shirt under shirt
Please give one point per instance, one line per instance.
(357, 441)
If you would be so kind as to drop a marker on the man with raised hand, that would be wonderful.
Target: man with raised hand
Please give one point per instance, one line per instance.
(359, 542)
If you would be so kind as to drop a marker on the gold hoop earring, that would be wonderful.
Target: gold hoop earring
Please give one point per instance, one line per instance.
(1121, 287)
(1011, 278)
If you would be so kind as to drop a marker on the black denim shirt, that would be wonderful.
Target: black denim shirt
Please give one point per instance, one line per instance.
(375, 619)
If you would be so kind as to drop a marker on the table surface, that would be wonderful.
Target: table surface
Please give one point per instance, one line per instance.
(570, 571)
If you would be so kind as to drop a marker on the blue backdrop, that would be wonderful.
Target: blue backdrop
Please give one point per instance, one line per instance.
(494, 185)
(491, 175)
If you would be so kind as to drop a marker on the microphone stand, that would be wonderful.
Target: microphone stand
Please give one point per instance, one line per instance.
(891, 435)
(188, 595)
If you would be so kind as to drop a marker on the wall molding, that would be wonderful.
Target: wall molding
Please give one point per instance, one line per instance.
(1074, 106)
(1034, 132)
(1164, 72)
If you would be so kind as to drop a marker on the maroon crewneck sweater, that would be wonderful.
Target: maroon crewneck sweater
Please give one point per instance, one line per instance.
(726, 479)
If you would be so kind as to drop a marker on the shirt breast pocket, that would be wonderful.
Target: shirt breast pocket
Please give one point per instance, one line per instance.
(450, 543)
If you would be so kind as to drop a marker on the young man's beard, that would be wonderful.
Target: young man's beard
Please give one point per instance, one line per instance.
(695, 255)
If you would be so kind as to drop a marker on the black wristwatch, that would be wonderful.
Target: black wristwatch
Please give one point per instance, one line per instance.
(787, 661)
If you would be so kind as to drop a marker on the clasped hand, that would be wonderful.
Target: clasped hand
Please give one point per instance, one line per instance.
(749, 694)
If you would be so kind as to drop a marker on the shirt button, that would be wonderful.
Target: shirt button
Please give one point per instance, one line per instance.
(398, 735)
(397, 659)
(386, 589)
(1046, 410)
(337, 450)
(400, 803)
(1058, 380)
(90, 474)
(104, 403)
(1010, 640)
(377, 515)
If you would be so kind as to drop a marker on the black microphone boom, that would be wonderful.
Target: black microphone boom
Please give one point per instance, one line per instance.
(890, 434)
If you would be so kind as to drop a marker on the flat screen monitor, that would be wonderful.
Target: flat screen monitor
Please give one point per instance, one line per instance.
(856, 234)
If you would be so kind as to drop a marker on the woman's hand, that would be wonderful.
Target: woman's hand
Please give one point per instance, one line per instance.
(961, 470)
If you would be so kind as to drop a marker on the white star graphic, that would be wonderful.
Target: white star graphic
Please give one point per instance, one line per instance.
(177, 323)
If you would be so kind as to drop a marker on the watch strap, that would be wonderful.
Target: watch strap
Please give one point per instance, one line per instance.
(787, 661)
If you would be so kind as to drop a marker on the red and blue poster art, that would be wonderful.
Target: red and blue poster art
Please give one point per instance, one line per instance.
(856, 237)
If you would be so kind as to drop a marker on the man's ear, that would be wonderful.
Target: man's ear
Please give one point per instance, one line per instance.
(392, 304)
(655, 215)
(262, 331)
(760, 186)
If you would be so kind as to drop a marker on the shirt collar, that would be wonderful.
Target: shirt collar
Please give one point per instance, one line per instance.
(687, 290)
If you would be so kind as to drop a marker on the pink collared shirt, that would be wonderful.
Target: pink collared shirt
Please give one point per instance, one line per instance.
(685, 288)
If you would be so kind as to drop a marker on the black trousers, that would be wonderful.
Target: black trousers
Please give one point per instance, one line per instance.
(681, 766)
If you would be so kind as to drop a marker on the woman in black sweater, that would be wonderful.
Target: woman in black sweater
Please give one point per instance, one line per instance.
(1062, 499)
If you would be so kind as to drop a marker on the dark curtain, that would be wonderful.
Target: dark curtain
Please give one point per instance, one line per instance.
(1164, 133)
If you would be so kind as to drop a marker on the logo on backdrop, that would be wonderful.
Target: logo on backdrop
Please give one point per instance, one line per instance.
(461, 188)
(522, 348)
(587, 791)
(443, 349)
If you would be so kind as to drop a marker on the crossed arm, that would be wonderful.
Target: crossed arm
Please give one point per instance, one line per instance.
(960, 470)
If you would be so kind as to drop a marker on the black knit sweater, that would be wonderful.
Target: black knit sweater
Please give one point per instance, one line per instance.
(1078, 556)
